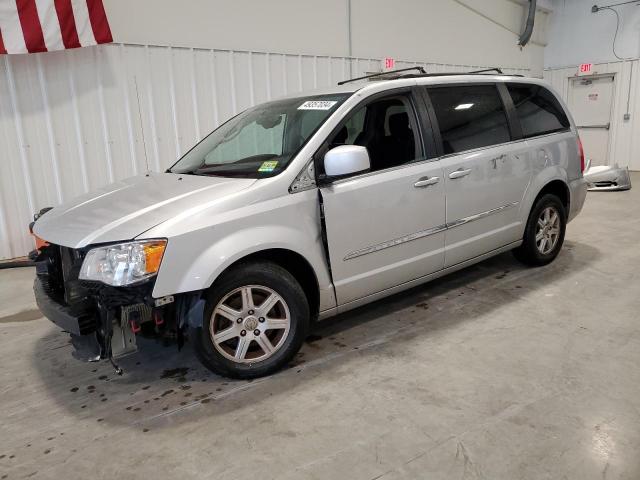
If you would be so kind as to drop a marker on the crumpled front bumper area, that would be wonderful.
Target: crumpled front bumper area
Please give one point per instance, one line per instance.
(73, 320)
(608, 178)
(97, 316)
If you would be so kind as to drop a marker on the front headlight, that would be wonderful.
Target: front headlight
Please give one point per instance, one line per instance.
(124, 263)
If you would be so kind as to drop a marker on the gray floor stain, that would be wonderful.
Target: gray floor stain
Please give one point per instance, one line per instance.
(26, 316)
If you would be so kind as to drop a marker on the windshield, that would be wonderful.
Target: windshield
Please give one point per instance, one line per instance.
(261, 141)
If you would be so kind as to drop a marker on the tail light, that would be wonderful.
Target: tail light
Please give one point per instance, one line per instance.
(581, 150)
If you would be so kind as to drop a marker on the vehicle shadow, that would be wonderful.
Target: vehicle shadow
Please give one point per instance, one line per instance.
(160, 382)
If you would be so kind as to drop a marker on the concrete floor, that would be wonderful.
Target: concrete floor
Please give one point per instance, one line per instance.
(496, 372)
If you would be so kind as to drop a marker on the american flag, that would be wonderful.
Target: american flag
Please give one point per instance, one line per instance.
(30, 26)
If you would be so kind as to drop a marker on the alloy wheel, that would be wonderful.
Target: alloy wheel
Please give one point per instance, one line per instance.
(547, 230)
(250, 324)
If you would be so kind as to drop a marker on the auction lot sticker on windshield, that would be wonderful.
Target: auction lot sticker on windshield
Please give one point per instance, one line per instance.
(317, 105)
(268, 166)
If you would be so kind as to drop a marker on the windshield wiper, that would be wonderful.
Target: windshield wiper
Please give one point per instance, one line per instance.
(227, 173)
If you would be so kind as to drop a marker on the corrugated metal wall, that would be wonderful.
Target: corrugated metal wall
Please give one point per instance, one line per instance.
(624, 141)
(75, 120)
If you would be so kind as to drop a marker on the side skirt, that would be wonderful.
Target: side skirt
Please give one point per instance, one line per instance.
(412, 283)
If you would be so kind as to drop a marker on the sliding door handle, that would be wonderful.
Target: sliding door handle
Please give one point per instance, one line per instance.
(459, 173)
(426, 181)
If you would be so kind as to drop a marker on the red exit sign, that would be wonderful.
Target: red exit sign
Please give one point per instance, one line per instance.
(585, 68)
(389, 63)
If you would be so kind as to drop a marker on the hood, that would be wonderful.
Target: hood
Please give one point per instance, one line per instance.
(126, 209)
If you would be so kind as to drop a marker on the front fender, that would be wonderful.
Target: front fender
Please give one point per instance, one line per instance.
(193, 260)
(216, 258)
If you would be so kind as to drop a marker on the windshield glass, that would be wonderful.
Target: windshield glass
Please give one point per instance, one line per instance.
(261, 141)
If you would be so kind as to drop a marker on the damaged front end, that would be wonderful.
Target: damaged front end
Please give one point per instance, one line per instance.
(103, 320)
(607, 178)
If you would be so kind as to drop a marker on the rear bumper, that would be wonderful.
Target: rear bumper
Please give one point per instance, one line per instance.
(578, 192)
(76, 323)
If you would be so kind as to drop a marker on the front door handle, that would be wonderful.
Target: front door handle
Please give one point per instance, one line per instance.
(459, 173)
(426, 181)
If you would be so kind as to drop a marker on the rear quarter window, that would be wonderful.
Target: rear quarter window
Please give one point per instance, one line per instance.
(538, 110)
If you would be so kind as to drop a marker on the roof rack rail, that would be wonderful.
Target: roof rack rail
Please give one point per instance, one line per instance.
(419, 69)
(487, 70)
(423, 73)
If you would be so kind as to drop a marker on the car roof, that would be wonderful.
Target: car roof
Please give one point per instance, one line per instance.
(370, 86)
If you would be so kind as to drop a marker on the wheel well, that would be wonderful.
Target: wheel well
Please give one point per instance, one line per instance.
(296, 265)
(559, 189)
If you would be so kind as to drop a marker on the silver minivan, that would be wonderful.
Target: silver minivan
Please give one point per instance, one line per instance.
(301, 208)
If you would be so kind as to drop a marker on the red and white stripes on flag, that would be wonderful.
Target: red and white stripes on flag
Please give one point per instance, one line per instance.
(30, 26)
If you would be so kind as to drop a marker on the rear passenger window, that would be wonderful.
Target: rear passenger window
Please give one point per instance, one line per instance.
(469, 116)
(538, 110)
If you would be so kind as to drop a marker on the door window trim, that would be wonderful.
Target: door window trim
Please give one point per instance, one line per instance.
(515, 128)
(515, 132)
(425, 138)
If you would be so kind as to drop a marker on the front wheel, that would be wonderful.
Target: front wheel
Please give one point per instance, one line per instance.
(255, 320)
(544, 233)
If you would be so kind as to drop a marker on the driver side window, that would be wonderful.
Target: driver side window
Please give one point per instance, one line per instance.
(387, 127)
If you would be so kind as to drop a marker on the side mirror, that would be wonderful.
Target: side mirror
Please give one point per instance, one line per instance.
(346, 160)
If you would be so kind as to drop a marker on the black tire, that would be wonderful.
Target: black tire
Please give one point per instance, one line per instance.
(529, 252)
(264, 274)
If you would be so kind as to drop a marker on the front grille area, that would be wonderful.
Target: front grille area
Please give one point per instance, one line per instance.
(58, 269)
(62, 267)
(71, 261)
(49, 269)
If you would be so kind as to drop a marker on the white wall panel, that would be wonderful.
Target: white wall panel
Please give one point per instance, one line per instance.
(455, 31)
(73, 121)
(624, 144)
(576, 35)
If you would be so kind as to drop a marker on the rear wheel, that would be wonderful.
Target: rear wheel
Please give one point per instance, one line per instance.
(544, 233)
(256, 318)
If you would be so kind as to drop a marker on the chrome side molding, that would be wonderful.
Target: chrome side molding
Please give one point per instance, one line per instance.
(396, 241)
(478, 216)
(425, 233)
